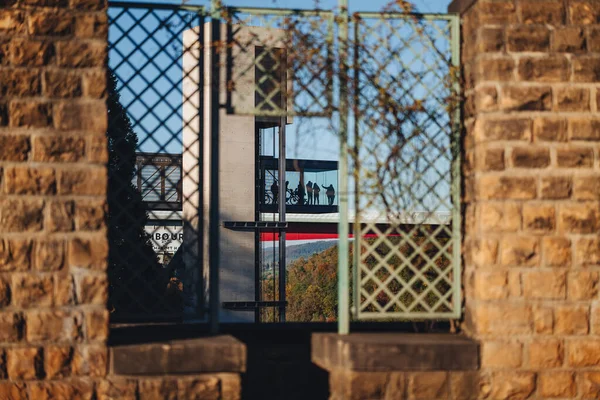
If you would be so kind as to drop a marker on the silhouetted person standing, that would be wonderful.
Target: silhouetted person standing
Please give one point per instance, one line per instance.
(330, 192)
(275, 191)
(316, 191)
(300, 194)
(309, 192)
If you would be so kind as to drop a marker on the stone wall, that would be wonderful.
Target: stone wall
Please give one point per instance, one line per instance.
(53, 235)
(53, 247)
(532, 195)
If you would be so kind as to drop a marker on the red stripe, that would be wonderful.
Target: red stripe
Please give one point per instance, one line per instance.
(291, 236)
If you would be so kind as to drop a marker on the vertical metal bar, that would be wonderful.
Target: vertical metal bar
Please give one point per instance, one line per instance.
(456, 181)
(214, 167)
(356, 171)
(282, 194)
(258, 200)
(200, 213)
(343, 281)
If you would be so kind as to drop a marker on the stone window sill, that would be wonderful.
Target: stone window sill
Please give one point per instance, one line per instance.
(382, 352)
(194, 356)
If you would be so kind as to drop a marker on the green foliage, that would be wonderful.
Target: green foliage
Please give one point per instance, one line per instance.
(137, 281)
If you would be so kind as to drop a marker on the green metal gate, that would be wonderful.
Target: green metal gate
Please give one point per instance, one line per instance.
(388, 84)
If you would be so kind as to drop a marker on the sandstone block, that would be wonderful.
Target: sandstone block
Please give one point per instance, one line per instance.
(27, 180)
(64, 290)
(14, 148)
(586, 187)
(570, 39)
(24, 363)
(494, 69)
(496, 13)
(575, 157)
(91, 360)
(90, 215)
(88, 253)
(556, 187)
(490, 285)
(543, 319)
(586, 69)
(544, 284)
(117, 388)
(21, 82)
(96, 325)
(91, 26)
(579, 217)
(15, 255)
(489, 40)
(500, 217)
(97, 149)
(503, 129)
(483, 252)
(11, 21)
(48, 255)
(13, 390)
(593, 39)
(528, 38)
(94, 83)
(572, 99)
(50, 23)
(583, 285)
(32, 290)
(589, 383)
(57, 361)
(428, 385)
(74, 54)
(5, 294)
(557, 251)
(587, 251)
(519, 251)
(81, 116)
(32, 52)
(493, 187)
(552, 13)
(545, 353)
(91, 5)
(571, 320)
(30, 114)
(584, 12)
(512, 385)
(465, 385)
(156, 388)
(585, 129)
(62, 83)
(11, 327)
(60, 216)
(550, 129)
(539, 218)
(526, 98)
(52, 148)
(493, 160)
(66, 389)
(502, 318)
(92, 289)
(501, 354)
(55, 325)
(584, 352)
(85, 181)
(530, 157)
(544, 69)
(557, 384)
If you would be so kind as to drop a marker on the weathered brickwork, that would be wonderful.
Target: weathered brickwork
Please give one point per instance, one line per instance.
(532, 196)
(53, 244)
(53, 317)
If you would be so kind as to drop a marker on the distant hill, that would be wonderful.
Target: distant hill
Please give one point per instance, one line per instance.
(297, 251)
